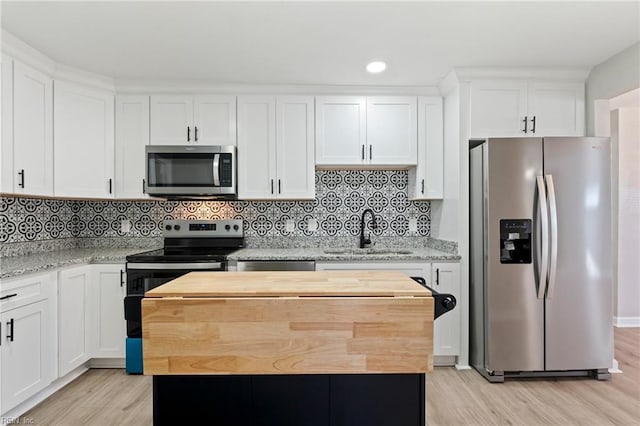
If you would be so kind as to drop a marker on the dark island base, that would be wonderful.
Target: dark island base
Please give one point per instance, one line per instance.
(290, 400)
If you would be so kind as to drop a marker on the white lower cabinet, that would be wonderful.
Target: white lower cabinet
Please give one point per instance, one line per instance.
(73, 318)
(107, 312)
(27, 339)
(442, 277)
(445, 278)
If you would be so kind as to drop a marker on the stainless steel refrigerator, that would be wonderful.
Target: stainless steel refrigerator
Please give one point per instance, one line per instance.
(540, 257)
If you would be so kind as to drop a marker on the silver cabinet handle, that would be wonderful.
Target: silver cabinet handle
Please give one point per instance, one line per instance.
(553, 221)
(216, 169)
(544, 223)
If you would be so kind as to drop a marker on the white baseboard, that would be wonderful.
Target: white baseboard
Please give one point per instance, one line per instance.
(626, 322)
(36, 399)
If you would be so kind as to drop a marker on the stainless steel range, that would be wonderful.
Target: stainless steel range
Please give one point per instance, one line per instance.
(189, 245)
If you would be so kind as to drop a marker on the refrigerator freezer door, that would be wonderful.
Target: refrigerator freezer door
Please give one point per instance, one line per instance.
(579, 317)
(514, 314)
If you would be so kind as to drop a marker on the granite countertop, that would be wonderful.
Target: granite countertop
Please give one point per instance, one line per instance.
(344, 254)
(38, 262)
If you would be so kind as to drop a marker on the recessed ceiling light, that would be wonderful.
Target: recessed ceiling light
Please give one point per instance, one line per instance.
(376, 67)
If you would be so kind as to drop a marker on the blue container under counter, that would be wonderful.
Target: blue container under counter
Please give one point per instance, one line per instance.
(133, 364)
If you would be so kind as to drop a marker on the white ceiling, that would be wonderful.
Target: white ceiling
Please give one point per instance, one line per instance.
(319, 42)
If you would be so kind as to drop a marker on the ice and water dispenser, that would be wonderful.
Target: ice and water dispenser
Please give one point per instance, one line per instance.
(515, 241)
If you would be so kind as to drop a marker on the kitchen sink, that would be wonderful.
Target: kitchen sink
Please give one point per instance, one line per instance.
(369, 251)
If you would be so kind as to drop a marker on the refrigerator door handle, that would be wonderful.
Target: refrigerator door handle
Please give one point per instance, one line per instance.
(553, 220)
(544, 223)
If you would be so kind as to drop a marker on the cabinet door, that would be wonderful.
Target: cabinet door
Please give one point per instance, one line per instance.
(214, 120)
(558, 109)
(295, 147)
(172, 120)
(341, 133)
(426, 181)
(132, 135)
(445, 278)
(73, 314)
(28, 352)
(84, 141)
(392, 130)
(498, 108)
(6, 111)
(256, 147)
(32, 131)
(107, 314)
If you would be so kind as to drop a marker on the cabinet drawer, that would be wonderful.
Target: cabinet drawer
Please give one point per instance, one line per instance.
(19, 292)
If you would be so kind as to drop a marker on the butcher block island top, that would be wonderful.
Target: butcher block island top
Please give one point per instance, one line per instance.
(291, 283)
(293, 322)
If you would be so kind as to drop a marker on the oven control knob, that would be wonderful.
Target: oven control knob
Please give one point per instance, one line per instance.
(176, 227)
(227, 227)
(168, 227)
(236, 227)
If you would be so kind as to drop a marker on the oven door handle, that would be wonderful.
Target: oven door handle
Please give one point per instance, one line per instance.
(174, 266)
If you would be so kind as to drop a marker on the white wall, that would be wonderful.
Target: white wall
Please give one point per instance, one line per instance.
(615, 76)
(625, 140)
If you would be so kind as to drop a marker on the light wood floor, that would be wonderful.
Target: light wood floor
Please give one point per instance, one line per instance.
(110, 397)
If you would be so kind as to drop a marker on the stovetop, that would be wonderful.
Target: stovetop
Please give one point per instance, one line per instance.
(182, 255)
(195, 241)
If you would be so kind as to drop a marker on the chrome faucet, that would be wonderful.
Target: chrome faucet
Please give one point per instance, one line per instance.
(365, 241)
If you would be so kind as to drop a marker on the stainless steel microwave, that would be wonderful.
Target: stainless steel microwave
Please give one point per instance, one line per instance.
(184, 171)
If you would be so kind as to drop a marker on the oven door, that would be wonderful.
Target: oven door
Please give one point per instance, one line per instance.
(176, 170)
(142, 277)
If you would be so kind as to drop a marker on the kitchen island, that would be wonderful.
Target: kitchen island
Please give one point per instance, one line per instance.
(289, 348)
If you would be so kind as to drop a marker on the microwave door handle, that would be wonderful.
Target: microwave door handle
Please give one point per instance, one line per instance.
(216, 170)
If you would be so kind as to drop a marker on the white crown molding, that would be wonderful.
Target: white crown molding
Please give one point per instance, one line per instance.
(18, 49)
(86, 78)
(555, 74)
(175, 87)
(449, 83)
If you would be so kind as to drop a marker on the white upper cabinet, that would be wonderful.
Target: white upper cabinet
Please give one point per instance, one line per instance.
(275, 147)
(511, 108)
(355, 130)
(295, 169)
(185, 119)
(84, 141)
(28, 139)
(214, 120)
(132, 135)
(341, 130)
(391, 130)
(426, 180)
(558, 108)
(6, 147)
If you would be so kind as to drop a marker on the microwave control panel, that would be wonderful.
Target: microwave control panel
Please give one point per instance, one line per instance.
(226, 169)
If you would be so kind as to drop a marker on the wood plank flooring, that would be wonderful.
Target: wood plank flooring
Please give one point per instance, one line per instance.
(110, 397)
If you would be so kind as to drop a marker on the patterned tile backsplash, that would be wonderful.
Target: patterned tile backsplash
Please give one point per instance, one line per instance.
(341, 196)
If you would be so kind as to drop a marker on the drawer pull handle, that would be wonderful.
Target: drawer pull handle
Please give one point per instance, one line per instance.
(10, 330)
(8, 296)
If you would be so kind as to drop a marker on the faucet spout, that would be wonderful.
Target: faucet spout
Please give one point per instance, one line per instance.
(364, 241)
